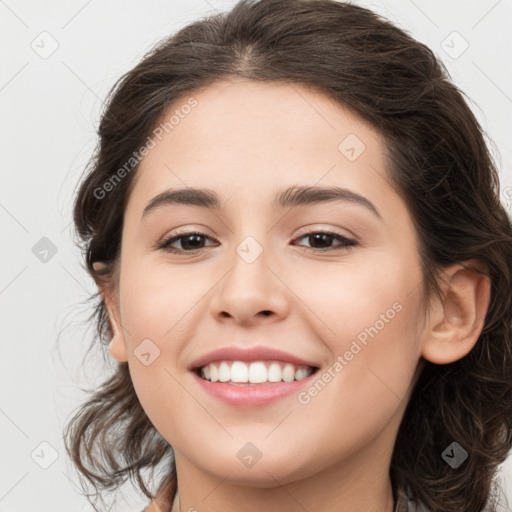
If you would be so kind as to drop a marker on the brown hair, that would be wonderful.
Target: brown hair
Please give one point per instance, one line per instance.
(439, 162)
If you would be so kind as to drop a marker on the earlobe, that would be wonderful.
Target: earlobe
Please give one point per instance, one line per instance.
(117, 345)
(455, 324)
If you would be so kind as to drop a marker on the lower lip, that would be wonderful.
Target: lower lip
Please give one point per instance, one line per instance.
(250, 395)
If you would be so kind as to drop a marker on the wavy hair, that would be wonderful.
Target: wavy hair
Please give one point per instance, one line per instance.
(438, 160)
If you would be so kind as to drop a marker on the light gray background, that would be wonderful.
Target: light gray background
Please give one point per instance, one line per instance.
(50, 110)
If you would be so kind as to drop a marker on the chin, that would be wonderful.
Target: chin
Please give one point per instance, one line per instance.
(267, 472)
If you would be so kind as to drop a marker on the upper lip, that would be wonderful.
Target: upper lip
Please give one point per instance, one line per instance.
(249, 354)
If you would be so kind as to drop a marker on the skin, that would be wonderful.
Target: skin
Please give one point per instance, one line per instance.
(245, 140)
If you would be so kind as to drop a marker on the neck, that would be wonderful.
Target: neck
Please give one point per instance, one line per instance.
(392, 507)
(360, 482)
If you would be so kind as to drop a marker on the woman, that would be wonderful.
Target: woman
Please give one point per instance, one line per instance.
(303, 270)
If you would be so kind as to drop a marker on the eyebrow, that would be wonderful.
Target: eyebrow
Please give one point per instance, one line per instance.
(287, 198)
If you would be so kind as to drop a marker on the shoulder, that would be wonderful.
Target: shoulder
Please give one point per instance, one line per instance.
(164, 498)
(153, 507)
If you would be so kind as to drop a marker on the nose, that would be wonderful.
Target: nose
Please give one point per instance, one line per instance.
(250, 293)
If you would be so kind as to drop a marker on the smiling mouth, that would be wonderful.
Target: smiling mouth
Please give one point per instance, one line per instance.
(241, 373)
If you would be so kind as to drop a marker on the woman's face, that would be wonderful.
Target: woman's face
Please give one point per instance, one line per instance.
(263, 275)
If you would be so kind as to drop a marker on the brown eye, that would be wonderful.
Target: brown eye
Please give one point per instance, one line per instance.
(190, 242)
(321, 241)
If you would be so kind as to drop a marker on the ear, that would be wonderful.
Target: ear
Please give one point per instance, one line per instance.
(454, 325)
(117, 346)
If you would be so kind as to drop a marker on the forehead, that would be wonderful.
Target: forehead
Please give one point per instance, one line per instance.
(250, 135)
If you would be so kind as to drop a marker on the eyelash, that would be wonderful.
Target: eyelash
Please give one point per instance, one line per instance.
(346, 243)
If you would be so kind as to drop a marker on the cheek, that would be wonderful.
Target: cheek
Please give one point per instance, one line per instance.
(355, 398)
(367, 317)
(159, 312)
(358, 299)
(157, 300)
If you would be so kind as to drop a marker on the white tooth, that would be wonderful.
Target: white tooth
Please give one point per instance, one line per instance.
(214, 373)
(274, 372)
(224, 373)
(301, 373)
(288, 373)
(257, 373)
(239, 372)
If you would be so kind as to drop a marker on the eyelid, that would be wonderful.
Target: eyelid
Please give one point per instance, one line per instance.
(166, 239)
(346, 242)
(318, 228)
(189, 230)
(186, 230)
